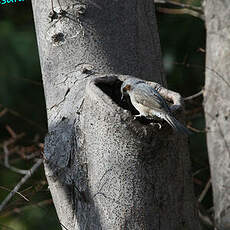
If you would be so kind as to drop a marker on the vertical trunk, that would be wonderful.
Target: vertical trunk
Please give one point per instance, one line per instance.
(104, 170)
(217, 105)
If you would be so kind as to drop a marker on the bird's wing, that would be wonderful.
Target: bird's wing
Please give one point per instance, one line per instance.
(149, 97)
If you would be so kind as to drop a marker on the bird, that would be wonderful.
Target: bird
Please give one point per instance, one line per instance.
(149, 103)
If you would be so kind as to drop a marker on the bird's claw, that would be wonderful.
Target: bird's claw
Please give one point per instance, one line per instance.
(158, 124)
(135, 116)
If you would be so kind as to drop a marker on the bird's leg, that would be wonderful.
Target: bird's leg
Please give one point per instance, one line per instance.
(135, 116)
(156, 123)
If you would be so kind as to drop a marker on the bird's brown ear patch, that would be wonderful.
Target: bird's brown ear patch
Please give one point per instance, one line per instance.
(127, 87)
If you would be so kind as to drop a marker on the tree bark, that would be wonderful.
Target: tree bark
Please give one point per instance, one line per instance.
(106, 171)
(217, 105)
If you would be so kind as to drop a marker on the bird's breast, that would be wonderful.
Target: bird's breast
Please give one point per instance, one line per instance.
(139, 107)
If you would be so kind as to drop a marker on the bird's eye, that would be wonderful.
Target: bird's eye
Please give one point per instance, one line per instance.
(126, 88)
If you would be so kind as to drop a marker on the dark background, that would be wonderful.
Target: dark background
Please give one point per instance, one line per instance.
(21, 93)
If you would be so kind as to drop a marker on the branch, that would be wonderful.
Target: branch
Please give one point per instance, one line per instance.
(3, 112)
(4, 188)
(196, 130)
(23, 180)
(216, 74)
(204, 192)
(188, 6)
(206, 219)
(21, 209)
(181, 11)
(6, 162)
(184, 8)
(194, 95)
(22, 117)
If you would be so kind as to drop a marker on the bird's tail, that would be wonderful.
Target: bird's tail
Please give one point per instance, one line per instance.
(176, 125)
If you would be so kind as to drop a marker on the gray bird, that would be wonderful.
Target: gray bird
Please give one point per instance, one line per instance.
(150, 103)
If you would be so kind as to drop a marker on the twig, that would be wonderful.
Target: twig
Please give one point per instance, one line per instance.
(11, 132)
(22, 181)
(194, 95)
(198, 171)
(204, 192)
(206, 219)
(14, 139)
(4, 188)
(32, 123)
(197, 8)
(3, 112)
(21, 209)
(181, 11)
(196, 130)
(32, 155)
(6, 227)
(7, 165)
(205, 68)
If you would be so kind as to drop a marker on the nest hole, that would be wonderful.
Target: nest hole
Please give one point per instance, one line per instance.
(113, 90)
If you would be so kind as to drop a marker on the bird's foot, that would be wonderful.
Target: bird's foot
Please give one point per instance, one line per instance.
(158, 124)
(135, 116)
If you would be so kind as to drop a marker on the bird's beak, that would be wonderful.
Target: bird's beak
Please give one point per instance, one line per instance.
(122, 97)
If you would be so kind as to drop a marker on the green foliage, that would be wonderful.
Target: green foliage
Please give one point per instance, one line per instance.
(20, 78)
(21, 94)
(181, 38)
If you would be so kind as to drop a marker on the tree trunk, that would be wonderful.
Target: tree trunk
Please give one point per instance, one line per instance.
(106, 171)
(217, 105)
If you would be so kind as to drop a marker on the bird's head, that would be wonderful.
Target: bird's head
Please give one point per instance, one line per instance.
(128, 85)
(125, 88)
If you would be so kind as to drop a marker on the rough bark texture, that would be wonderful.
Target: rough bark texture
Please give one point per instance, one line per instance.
(217, 105)
(106, 171)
